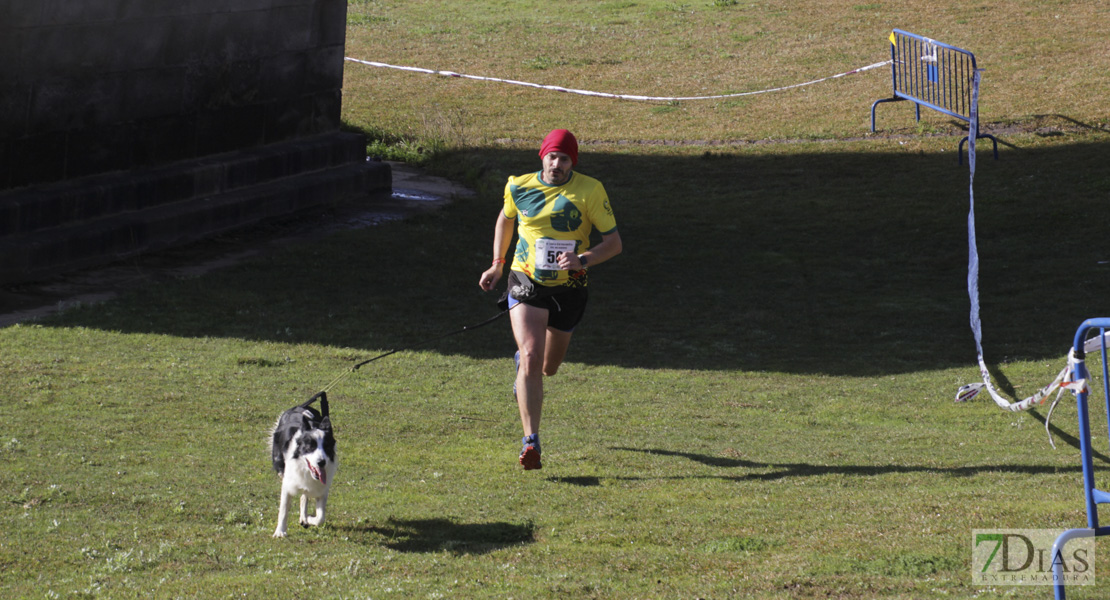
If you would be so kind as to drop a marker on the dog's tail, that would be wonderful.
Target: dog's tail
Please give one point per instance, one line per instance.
(323, 397)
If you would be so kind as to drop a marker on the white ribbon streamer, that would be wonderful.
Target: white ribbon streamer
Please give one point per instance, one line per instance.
(556, 88)
(1065, 379)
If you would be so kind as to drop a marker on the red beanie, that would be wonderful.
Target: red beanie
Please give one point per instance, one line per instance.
(560, 140)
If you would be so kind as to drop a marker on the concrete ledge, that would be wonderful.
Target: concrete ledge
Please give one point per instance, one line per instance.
(77, 224)
(42, 207)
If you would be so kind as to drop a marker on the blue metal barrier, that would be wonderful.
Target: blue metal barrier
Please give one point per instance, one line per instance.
(934, 74)
(1093, 495)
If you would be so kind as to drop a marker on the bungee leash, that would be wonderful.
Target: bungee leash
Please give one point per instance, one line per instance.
(521, 293)
(358, 366)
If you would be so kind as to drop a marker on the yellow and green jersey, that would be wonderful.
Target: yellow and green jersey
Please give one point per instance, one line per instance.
(550, 217)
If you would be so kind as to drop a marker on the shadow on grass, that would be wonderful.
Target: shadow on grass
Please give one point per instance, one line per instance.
(787, 470)
(845, 258)
(1062, 436)
(444, 535)
(579, 481)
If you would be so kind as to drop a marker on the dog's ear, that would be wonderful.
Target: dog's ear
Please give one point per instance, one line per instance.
(325, 424)
(278, 453)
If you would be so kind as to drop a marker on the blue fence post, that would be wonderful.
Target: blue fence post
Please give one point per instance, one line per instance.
(1092, 496)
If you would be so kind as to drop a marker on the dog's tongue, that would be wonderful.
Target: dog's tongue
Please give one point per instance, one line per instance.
(321, 476)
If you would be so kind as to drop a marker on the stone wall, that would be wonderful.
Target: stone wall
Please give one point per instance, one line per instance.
(91, 86)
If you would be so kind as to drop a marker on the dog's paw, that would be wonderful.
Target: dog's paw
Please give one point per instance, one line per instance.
(279, 534)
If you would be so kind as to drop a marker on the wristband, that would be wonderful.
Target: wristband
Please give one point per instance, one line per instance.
(498, 261)
(582, 259)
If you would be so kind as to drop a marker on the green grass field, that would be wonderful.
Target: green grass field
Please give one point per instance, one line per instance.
(759, 403)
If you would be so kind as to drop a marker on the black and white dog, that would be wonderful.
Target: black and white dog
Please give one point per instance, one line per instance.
(304, 459)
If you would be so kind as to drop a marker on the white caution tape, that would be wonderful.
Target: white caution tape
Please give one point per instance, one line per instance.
(1077, 386)
(1095, 344)
(929, 51)
(1060, 382)
(1065, 379)
(556, 88)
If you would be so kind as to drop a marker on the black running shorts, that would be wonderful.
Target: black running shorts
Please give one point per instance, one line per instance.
(565, 304)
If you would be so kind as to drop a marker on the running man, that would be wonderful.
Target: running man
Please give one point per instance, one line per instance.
(554, 211)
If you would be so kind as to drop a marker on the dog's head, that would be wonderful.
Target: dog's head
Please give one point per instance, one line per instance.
(314, 444)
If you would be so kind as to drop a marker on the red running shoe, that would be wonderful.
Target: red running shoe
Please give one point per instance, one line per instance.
(530, 453)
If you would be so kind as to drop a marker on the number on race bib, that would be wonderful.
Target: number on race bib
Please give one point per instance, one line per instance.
(548, 251)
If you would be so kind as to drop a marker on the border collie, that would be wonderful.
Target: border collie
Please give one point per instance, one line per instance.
(304, 459)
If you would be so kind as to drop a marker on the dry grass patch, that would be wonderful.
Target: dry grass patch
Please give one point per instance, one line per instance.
(1039, 58)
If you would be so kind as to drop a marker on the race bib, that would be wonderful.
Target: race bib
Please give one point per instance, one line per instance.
(548, 251)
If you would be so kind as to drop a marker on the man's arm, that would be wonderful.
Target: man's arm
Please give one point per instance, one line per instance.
(502, 237)
(609, 247)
